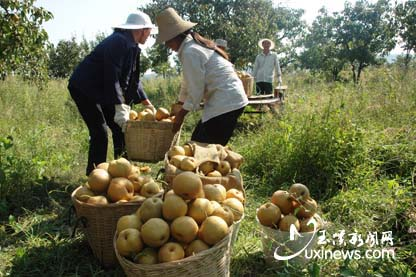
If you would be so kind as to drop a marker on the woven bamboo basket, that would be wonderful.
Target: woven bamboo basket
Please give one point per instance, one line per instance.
(214, 261)
(248, 84)
(99, 225)
(149, 140)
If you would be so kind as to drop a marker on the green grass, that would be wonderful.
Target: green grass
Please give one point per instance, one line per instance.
(353, 146)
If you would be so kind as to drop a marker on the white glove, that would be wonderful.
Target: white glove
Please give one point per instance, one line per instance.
(151, 107)
(122, 115)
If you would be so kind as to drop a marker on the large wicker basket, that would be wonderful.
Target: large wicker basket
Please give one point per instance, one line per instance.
(248, 84)
(99, 225)
(149, 140)
(214, 261)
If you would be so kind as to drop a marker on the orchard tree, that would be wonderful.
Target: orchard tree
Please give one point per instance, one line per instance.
(364, 32)
(68, 54)
(65, 57)
(241, 23)
(321, 51)
(23, 42)
(405, 14)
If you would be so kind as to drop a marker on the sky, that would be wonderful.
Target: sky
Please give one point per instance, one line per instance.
(87, 18)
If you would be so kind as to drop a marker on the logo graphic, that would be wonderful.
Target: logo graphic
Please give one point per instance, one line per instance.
(292, 233)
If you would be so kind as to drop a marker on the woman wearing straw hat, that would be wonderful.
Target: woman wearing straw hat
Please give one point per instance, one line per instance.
(208, 77)
(106, 82)
(266, 64)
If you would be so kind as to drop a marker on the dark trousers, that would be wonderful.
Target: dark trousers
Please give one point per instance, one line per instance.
(264, 88)
(97, 118)
(217, 130)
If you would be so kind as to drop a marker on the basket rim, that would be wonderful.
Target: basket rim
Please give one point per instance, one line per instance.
(197, 256)
(138, 122)
(109, 205)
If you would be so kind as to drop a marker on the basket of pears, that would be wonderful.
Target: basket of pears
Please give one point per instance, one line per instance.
(289, 225)
(113, 189)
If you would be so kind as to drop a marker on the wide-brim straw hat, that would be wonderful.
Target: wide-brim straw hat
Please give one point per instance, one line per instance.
(170, 25)
(137, 20)
(266, 39)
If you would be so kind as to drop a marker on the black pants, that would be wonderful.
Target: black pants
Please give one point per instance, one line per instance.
(98, 117)
(217, 130)
(264, 88)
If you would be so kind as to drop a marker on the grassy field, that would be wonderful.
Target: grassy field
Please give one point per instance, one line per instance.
(353, 146)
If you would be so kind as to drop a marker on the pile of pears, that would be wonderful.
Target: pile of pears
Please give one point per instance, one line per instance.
(191, 218)
(118, 181)
(294, 207)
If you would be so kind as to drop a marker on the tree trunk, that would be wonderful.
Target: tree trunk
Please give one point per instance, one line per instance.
(354, 76)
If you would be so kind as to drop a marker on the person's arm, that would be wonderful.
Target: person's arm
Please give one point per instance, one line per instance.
(179, 118)
(256, 66)
(278, 72)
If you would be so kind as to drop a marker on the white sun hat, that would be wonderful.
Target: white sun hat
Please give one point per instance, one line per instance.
(137, 20)
(221, 42)
(266, 39)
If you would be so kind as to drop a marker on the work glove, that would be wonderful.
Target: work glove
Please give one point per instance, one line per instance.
(122, 115)
(151, 107)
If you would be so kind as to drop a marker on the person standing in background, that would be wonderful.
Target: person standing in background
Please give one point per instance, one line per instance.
(106, 83)
(221, 43)
(266, 65)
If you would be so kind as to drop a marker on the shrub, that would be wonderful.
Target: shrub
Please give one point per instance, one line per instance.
(318, 150)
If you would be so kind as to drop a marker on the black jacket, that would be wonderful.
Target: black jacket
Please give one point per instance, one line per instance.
(110, 73)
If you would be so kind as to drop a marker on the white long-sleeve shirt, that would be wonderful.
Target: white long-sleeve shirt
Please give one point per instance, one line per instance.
(265, 66)
(208, 78)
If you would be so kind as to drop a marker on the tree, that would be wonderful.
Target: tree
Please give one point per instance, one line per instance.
(23, 43)
(364, 32)
(405, 14)
(322, 53)
(241, 23)
(65, 57)
(68, 54)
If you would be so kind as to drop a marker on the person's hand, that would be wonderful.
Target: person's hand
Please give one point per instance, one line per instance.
(122, 115)
(175, 108)
(177, 123)
(150, 107)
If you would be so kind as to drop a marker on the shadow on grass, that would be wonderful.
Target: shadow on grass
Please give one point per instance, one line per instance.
(64, 257)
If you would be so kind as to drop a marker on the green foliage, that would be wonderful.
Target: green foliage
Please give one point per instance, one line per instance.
(23, 41)
(17, 176)
(68, 54)
(405, 14)
(357, 36)
(239, 22)
(64, 58)
(317, 148)
(352, 145)
(322, 53)
(364, 32)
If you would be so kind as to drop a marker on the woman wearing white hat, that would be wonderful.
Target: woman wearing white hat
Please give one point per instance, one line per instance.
(265, 66)
(106, 82)
(208, 77)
